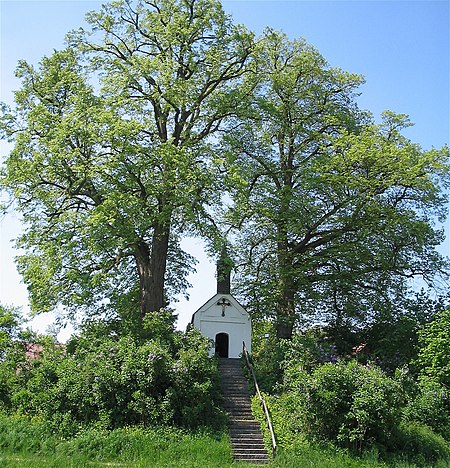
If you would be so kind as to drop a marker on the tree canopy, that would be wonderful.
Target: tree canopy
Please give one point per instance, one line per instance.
(128, 140)
(113, 158)
(334, 212)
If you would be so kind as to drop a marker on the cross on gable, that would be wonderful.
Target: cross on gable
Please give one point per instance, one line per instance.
(224, 303)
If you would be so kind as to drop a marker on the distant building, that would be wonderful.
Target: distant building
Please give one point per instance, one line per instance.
(33, 351)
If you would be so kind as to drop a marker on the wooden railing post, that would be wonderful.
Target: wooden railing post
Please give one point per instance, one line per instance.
(261, 399)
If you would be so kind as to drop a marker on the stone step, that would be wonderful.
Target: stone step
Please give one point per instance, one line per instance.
(240, 419)
(249, 456)
(245, 432)
(238, 399)
(246, 435)
(231, 380)
(250, 450)
(248, 424)
(248, 445)
(237, 393)
(234, 393)
(237, 406)
(247, 439)
(244, 426)
(242, 422)
(249, 431)
(234, 398)
(237, 410)
(238, 402)
(234, 383)
(235, 388)
(237, 419)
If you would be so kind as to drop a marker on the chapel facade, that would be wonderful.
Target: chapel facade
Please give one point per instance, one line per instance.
(223, 319)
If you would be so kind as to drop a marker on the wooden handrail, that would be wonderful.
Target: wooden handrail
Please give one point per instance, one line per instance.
(261, 399)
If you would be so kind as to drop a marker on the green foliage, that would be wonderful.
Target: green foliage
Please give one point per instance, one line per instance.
(334, 211)
(430, 405)
(411, 444)
(434, 352)
(109, 169)
(10, 321)
(309, 350)
(356, 406)
(393, 336)
(419, 443)
(105, 380)
(267, 355)
(271, 355)
(196, 379)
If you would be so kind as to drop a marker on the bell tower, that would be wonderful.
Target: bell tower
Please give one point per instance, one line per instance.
(222, 318)
(224, 267)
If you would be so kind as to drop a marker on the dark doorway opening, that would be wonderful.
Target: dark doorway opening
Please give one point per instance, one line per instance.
(222, 342)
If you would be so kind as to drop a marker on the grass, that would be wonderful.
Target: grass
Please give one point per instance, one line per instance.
(25, 443)
(316, 457)
(311, 457)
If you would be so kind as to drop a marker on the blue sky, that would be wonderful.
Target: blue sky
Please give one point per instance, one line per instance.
(401, 47)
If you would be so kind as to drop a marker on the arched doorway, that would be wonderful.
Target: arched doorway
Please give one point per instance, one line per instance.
(222, 344)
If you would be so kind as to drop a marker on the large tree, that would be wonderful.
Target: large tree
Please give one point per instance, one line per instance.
(113, 156)
(334, 212)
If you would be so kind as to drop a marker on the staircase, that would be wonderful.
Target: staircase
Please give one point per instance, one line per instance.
(245, 433)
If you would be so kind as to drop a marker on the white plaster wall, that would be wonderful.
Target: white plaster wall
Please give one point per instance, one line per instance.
(237, 333)
(236, 323)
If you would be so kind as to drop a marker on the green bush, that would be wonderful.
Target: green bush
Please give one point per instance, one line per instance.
(195, 393)
(430, 406)
(434, 349)
(419, 444)
(354, 405)
(306, 352)
(272, 356)
(117, 384)
(109, 381)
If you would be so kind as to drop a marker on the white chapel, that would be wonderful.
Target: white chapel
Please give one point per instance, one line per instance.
(224, 320)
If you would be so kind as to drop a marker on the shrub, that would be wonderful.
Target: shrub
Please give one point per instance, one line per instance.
(272, 357)
(306, 352)
(285, 414)
(195, 395)
(111, 382)
(420, 444)
(434, 349)
(356, 406)
(431, 407)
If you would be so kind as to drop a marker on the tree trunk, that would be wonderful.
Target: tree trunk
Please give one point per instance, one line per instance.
(285, 307)
(151, 266)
